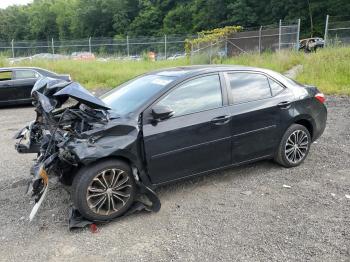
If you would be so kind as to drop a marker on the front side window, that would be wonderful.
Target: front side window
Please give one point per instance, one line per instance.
(196, 95)
(246, 87)
(5, 75)
(25, 74)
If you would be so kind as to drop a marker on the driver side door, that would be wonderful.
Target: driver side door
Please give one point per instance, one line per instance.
(196, 138)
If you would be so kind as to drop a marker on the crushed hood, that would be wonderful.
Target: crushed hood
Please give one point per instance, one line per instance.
(76, 91)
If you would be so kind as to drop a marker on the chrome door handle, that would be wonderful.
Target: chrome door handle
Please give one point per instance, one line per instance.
(220, 120)
(284, 104)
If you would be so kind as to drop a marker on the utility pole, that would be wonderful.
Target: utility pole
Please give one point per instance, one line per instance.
(165, 51)
(260, 39)
(211, 50)
(298, 35)
(279, 35)
(52, 46)
(191, 56)
(13, 48)
(326, 31)
(127, 46)
(90, 44)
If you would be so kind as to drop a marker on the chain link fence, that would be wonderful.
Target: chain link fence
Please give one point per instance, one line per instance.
(261, 39)
(135, 48)
(264, 38)
(337, 30)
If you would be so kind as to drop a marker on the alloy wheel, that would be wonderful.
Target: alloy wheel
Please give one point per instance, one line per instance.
(296, 146)
(109, 191)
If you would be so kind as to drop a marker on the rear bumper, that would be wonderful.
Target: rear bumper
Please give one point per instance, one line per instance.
(320, 122)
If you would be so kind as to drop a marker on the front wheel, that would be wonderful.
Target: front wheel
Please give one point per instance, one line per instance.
(104, 190)
(294, 146)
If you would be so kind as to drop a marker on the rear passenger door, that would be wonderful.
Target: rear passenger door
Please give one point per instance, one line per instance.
(23, 82)
(258, 114)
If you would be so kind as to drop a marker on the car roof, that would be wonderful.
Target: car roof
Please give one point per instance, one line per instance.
(185, 71)
(17, 67)
(311, 38)
(40, 70)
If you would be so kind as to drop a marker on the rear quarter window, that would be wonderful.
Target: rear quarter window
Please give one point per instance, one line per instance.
(275, 87)
(247, 87)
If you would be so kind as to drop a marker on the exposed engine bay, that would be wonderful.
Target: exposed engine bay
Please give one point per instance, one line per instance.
(72, 129)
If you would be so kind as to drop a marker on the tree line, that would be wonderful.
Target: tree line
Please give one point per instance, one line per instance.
(75, 19)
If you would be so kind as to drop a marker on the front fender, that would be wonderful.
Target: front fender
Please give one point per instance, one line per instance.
(87, 151)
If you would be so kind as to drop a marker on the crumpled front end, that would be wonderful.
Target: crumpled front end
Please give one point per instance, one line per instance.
(72, 129)
(73, 133)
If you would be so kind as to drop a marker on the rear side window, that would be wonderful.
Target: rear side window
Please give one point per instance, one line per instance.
(6, 75)
(196, 95)
(24, 74)
(275, 87)
(246, 87)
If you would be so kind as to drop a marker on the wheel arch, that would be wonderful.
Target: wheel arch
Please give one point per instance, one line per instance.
(304, 120)
(307, 123)
(141, 173)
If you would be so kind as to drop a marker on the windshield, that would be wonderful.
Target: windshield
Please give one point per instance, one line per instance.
(130, 96)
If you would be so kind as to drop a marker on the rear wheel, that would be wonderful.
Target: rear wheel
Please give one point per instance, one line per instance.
(104, 190)
(294, 146)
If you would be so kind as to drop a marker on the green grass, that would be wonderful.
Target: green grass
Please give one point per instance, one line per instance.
(328, 69)
(279, 61)
(96, 74)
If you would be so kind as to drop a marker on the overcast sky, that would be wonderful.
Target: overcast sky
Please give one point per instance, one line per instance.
(6, 3)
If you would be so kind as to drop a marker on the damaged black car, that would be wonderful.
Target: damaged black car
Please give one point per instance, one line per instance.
(162, 127)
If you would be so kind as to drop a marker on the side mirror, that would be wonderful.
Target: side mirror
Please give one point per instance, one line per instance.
(160, 112)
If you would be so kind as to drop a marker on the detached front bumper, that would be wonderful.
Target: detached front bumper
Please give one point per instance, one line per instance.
(25, 143)
(38, 188)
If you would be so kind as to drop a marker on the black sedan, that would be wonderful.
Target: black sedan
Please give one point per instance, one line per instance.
(16, 83)
(165, 126)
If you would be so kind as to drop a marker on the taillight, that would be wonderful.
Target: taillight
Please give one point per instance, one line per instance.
(320, 97)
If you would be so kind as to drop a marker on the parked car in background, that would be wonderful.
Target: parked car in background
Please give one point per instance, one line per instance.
(43, 56)
(311, 44)
(49, 56)
(164, 126)
(176, 56)
(16, 83)
(83, 56)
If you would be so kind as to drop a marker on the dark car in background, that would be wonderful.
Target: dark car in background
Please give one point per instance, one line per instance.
(16, 83)
(165, 126)
(311, 44)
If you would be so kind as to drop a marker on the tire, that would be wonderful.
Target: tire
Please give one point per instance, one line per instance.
(287, 151)
(93, 194)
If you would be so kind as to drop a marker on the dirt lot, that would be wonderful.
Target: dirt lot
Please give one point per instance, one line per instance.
(242, 214)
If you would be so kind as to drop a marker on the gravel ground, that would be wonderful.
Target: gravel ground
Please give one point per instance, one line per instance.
(241, 214)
